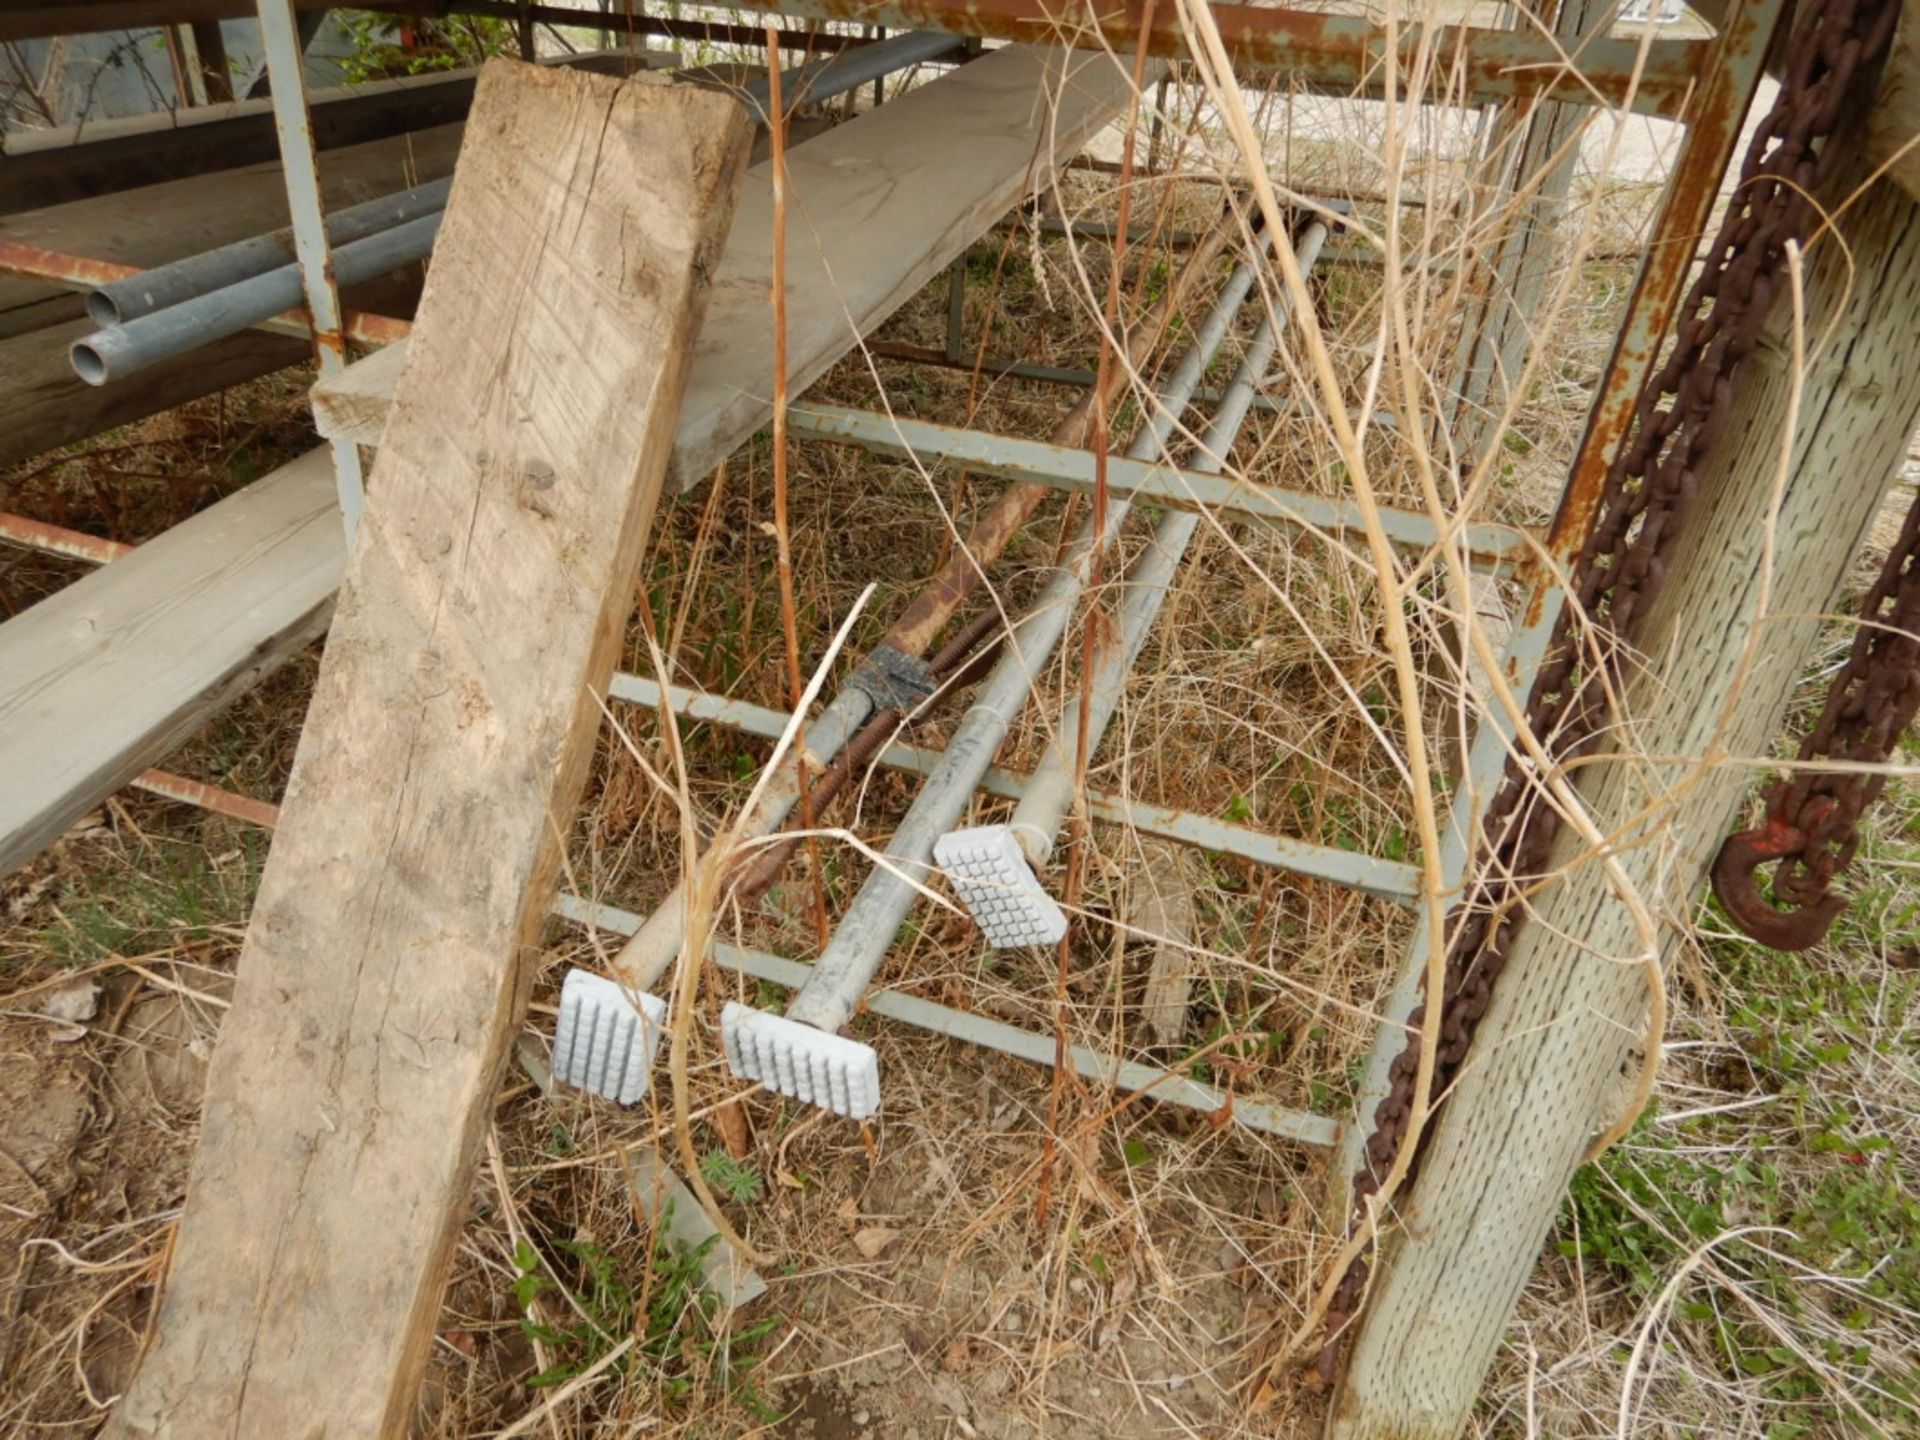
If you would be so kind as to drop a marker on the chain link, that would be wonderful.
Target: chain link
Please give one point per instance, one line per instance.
(1621, 567)
(1812, 825)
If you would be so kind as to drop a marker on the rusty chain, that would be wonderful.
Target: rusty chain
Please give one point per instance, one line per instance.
(1620, 568)
(1812, 824)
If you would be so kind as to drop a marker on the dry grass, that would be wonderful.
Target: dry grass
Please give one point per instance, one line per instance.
(1747, 1263)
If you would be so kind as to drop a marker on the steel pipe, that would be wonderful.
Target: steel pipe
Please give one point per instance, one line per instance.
(867, 930)
(828, 75)
(120, 350)
(148, 291)
(1042, 810)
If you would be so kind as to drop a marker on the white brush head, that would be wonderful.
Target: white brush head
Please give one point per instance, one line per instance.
(991, 876)
(830, 1071)
(603, 1042)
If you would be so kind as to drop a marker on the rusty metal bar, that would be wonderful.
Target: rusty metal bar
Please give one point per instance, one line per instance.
(1730, 76)
(79, 17)
(58, 540)
(208, 797)
(84, 274)
(1338, 54)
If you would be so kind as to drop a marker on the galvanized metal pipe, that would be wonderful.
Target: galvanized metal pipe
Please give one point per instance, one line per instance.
(121, 350)
(860, 943)
(148, 291)
(1166, 1086)
(825, 76)
(1042, 811)
(652, 949)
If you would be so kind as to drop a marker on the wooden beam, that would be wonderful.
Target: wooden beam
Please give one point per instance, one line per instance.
(43, 404)
(877, 207)
(1893, 130)
(103, 678)
(158, 223)
(106, 157)
(1545, 1074)
(384, 973)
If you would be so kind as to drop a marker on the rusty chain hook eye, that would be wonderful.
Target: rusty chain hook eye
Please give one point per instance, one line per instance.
(1736, 881)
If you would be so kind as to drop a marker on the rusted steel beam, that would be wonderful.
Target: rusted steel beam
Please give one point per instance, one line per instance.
(79, 17)
(1340, 54)
(208, 797)
(1730, 78)
(58, 540)
(83, 273)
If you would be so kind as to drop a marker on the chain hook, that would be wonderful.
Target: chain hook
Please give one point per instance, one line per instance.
(1736, 881)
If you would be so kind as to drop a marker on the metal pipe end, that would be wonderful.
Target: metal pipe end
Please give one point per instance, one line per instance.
(88, 363)
(103, 309)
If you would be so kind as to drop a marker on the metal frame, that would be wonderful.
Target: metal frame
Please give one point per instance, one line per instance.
(1713, 81)
(286, 70)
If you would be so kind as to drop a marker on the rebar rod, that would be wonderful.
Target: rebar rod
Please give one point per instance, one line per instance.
(1042, 810)
(186, 279)
(868, 929)
(646, 956)
(120, 350)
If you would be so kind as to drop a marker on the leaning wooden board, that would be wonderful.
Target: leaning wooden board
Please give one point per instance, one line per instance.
(383, 974)
(877, 207)
(100, 680)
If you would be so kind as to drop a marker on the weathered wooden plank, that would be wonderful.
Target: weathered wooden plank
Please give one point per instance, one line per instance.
(44, 404)
(103, 678)
(381, 981)
(877, 207)
(105, 157)
(1545, 1076)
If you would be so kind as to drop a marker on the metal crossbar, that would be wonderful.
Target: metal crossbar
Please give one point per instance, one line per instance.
(1166, 1086)
(982, 453)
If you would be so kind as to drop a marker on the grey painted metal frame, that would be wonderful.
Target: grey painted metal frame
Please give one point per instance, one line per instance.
(867, 928)
(1385, 879)
(1166, 1086)
(1042, 810)
(286, 70)
(1065, 468)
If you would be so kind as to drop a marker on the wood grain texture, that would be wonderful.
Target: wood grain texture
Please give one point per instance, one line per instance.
(1893, 131)
(1546, 1073)
(382, 977)
(105, 157)
(877, 207)
(102, 679)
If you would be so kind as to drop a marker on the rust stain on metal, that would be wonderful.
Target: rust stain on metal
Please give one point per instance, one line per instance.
(31, 260)
(208, 797)
(58, 540)
(1714, 117)
(1342, 49)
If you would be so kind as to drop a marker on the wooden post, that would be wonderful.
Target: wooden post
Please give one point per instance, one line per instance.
(1545, 1074)
(384, 971)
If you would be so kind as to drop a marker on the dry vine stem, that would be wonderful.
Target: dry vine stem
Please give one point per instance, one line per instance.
(1094, 620)
(1216, 73)
(782, 535)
